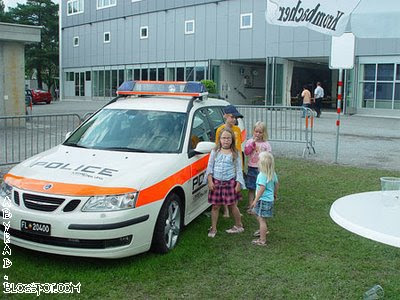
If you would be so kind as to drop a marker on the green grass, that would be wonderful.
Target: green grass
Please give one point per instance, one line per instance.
(308, 256)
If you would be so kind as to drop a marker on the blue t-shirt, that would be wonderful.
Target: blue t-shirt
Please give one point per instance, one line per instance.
(268, 194)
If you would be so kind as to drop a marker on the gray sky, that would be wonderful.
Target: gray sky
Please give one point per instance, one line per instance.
(13, 3)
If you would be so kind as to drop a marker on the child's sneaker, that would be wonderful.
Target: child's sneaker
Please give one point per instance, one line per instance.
(259, 242)
(211, 234)
(257, 233)
(235, 229)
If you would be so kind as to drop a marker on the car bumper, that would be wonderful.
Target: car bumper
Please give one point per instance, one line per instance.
(90, 234)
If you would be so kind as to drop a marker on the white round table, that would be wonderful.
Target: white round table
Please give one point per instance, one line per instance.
(368, 215)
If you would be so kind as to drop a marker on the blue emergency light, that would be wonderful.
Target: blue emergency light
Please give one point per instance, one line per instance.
(163, 88)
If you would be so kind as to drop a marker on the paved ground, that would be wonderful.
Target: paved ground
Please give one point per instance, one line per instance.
(363, 141)
(371, 142)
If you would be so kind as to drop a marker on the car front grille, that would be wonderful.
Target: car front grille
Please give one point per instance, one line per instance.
(16, 198)
(42, 203)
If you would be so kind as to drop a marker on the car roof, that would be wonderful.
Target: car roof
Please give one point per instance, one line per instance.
(163, 103)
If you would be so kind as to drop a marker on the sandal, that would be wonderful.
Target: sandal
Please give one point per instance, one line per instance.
(235, 229)
(257, 233)
(211, 234)
(259, 242)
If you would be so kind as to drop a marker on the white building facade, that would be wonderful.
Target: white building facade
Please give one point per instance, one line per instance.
(104, 42)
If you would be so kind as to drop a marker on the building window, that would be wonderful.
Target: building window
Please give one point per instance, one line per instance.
(144, 32)
(107, 37)
(145, 74)
(246, 21)
(379, 85)
(74, 7)
(76, 41)
(200, 73)
(153, 74)
(136, 74)
(160, 74)
(189, 27)
(69, 76)
(189, 74)
(87, 75)
(136, 0)
(105, 3)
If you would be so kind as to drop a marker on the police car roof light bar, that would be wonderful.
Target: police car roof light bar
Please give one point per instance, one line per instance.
(162, 88)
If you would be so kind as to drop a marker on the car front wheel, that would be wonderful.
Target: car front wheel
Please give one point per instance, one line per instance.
(168, 225)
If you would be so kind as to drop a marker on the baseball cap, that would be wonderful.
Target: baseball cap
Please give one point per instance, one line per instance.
(231, 109)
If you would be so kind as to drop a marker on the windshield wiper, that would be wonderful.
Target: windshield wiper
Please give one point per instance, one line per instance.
(124, 149)
(74, 145)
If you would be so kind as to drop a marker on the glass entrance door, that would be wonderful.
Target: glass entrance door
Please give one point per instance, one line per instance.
(80, 84)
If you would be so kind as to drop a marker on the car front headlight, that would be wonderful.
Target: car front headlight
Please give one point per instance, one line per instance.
(5, 190)
(111, 202)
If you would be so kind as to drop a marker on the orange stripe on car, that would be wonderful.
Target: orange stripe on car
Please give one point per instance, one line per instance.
(159, 190)
(148, 195)
(60, 188)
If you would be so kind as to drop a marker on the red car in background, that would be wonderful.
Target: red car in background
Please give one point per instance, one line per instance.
(40, 96)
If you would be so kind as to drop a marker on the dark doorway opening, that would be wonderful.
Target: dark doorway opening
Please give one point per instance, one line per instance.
(309, 77)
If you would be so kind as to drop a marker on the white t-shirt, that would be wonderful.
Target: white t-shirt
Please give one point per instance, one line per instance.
(318, 92)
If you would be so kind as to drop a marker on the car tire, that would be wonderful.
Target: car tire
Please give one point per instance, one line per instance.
(168, 225)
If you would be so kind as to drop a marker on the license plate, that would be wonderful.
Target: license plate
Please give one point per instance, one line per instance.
(35, 227)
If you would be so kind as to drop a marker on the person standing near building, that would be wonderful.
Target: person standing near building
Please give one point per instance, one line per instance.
(306, 95)
(318, 96)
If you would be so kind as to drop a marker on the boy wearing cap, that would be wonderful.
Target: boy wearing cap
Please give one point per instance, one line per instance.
(230, 115)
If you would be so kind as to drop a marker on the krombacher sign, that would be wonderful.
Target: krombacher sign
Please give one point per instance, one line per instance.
(329, 17)
(314, 16)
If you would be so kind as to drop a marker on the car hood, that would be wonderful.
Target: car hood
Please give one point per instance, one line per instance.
(85, 172)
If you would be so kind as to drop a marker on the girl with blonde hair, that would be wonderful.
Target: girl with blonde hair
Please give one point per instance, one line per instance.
(254, 146)
(266, 190)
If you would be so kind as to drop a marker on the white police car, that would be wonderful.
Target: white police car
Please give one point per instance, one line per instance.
(127, 180)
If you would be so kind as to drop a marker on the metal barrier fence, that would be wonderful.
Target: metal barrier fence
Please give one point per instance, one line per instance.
(24, 136)
(292, 124)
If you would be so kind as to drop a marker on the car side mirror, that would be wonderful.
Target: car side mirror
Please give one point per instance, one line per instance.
(204, 147)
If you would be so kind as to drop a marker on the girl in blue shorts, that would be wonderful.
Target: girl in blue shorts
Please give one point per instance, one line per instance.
(266, 189)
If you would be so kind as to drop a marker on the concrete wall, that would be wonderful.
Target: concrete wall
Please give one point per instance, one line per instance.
(12, 88)
(12, 65)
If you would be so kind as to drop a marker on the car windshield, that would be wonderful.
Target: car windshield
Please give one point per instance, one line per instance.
(131, 131)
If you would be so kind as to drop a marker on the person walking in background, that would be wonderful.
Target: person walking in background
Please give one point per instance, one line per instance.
(267, 188)
(318, 96)
(254, 146)
(230, 115)
(306, 95)
(224, 176)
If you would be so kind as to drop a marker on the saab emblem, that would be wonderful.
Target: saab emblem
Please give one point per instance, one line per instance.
(47, 186)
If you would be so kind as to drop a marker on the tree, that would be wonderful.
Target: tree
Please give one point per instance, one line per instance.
(4, 17)
(210, 85)
(41, 57)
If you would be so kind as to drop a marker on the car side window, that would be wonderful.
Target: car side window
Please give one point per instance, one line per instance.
(216, 118)
(200, 129)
